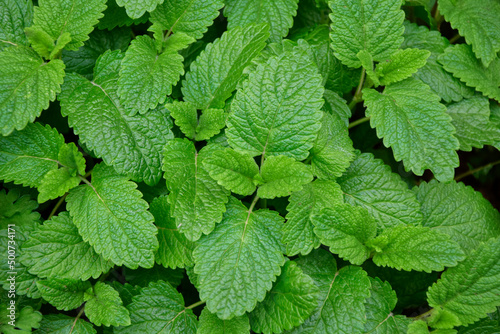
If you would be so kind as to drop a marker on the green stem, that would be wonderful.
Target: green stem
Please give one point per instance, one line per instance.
(255, 200)
(423, 315)
(58, 204)
(357, 96)
(192, 306)
(357, 122)
(475, 170)
(88, 173)
(455, 38)
(76, 319)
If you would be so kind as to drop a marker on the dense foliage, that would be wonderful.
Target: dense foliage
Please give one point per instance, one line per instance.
(237, 166)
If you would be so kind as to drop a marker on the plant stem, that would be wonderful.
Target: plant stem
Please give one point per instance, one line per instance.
(357, 96)
(475, 170)
(192, 306)
(455, 38)
(76, 319)
(423, 315)
(58, 204)
(255, 200)
(357, 122)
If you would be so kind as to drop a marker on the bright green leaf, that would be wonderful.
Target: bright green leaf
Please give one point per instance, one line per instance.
(136, 8)
(211, 123)
(64, 294)
(14, 17)
(401, 65)
(62, 324)
(103, 306)
(185, 116)
(366, 60)
(56, 183)
(116, 16)
(211, 324)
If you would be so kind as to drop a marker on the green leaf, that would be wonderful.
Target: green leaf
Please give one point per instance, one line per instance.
(265, 111)
(291, 300)
(146, 77)
(62, 324)
(418, 327)
(64, 294)
(410, 119)
(111, 215)
(159, 309)
(186, 16)
(374, 25)
(136, 8)
(56, 249)
(103, 306)
(278, 14)
(379, 307)
(366, 61)
(25, 320)
(332, 152)
(460, 212)
(298, 232)
(485, 326)
(175, 249)
(471, 118)
(478, 22)
(415, 248)
(470, 290)
(369, 183)
(214, 74)
(232, 278)
(233, 170)
(116, 16)
(461, 62)
(74, 17)
(281, 175)
(27, 85)
(334, 104)
(131, 144)
(185, 116)
(346, 229)
(211, 123)
(16, 209)
(211, 324)
(401, 65)
(14, 17)
(196, 200)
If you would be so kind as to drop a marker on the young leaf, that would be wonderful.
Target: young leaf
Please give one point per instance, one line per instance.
(366, 61)
(185, 116)
(263, 116)
(159, 308)
(56, 249)
(478, 22)
(25, 320)
(278, 14)
(281, 175)
(64, 294)
(369, 183)
(401, 65)
(460, 212)
(374, 25)
(415, 248)
(412, 121)
(298, 232)
(211, 324)
(174, 250)
(215, 73)
(211, 123)
(136, 8)
(74, 17)
(14, 17)
(470, 290)
(233, 170)
(196, 200)
(114, 219)
(346, 229)
(146, 77)
(62, 324)
(460, 61)
(291, 300)
(24, 74)
(131, 144)
(103, 306)
(231, 276)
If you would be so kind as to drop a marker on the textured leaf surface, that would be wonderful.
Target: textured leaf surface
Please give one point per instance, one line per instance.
(233, 170)
(76, 17)
(371, 184)
(58, 181)
(136, 8)
(291, 300)
(282, 175)
(131, 144)
(211, 324)
(27, 85)
(401, 65)
(14, 17)
(64, 294)
(116, 16)
(460, 61)
(415, 248)
(334, 104)
(410, 119)
(185, 116)
(62, 324)
(111, 215)
(298, 234)
(478, 22)
(146, 78)
(460, 212)
(25, 320)
(16, 209)
(196, 200)
(159, 308)
(332, 152)
(278, 14)
(214, 74)
(237, 263)
(346, 229)
(103, 306)
(210, 123)
(174, 248)
(470, 290)
(374, 25)
(277, 110)
(56, 249)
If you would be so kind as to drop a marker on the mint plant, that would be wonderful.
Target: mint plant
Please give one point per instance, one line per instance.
(277, 166)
